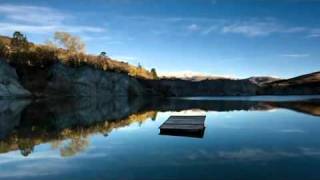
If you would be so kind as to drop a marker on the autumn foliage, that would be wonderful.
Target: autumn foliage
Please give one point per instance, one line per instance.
(64, 48)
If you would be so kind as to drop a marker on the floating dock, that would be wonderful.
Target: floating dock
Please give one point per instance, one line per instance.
(191, 126)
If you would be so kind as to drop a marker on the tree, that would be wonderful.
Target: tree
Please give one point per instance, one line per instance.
(139, 66)
(154, 73)
(71, 43)
(19, 48)
(103, 54)
(77, 144)
(26, 146)
(19, 42)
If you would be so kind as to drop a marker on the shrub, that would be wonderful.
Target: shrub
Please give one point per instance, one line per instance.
(4, 50)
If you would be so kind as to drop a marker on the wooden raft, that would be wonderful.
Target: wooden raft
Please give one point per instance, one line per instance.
(192, 126)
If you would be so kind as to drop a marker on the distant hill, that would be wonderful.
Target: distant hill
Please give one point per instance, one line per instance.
(219, 86)
(261, 80)
(299, 80)
(195, 78)
(305, 84)
(258, 80)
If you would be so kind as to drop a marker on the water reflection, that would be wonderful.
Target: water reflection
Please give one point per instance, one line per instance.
(68, 124)
(308, 106)
(23, 127)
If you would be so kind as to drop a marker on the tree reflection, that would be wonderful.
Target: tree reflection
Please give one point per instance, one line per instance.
(69, 141)
(75, 146)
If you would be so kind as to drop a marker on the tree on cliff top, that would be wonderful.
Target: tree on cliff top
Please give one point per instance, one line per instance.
(154, 73)
(70, 42)
(103, 54)
(19, 42)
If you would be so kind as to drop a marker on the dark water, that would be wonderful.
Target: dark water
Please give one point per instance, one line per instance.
(269, 138)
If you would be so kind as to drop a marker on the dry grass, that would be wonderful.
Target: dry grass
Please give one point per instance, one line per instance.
(46, 55)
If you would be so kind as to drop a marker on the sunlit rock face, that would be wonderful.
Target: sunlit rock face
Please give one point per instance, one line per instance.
(86, 81)
(60, 80)
(9, 84)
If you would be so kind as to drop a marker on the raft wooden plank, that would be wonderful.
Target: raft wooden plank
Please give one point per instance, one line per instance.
(182, 127)
(186, 117)
(184, 124)
(195, 122)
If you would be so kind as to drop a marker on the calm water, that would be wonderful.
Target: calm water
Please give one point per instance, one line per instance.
(119, 139)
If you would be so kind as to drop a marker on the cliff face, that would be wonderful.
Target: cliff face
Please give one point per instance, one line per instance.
(9, 84)
(86, 81)
(60, 80)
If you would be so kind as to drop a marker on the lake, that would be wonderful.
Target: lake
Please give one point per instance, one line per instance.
(118, 138)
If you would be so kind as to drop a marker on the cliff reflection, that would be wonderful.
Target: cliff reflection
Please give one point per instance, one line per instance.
(70, 121)
(68, 124)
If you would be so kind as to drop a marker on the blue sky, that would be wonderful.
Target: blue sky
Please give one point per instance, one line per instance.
(226, 38)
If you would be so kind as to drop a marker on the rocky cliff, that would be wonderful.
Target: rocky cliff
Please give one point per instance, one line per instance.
(60, 80)
(9, 84)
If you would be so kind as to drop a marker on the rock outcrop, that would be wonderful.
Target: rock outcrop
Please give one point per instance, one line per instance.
(60, 80)
(86, 81)
(9, 83)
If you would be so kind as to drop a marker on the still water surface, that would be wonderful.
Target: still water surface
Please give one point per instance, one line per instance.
(120, 140)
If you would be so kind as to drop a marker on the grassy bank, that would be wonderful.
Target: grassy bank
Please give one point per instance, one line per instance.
(68, 50)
